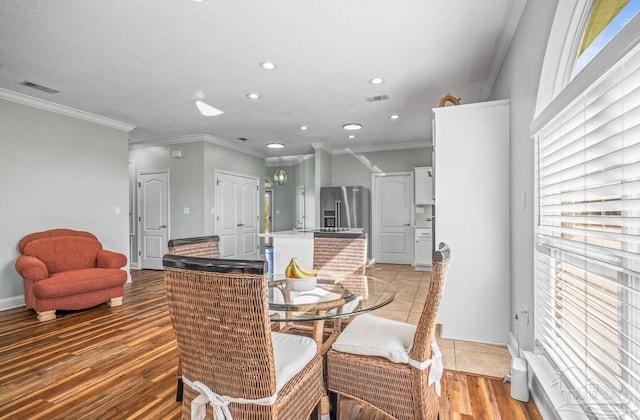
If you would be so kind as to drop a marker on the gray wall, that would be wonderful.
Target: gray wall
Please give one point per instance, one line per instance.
(58, 172)
(348, 169)
(284, 200)
(192, 181)
(518, 80)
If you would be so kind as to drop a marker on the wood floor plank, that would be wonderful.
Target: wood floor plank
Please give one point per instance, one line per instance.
(121, 362)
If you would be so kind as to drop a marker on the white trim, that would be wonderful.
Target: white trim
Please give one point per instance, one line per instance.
(545, 374)
(274, 162)
(508, 28)
(381, 148)
(194, 138)
(626, 40)
(11, 302)
(23, 99)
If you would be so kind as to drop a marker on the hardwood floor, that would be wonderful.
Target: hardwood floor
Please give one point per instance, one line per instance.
(116, 363)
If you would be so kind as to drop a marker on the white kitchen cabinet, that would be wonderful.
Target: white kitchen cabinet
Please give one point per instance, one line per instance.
(423, 181)
(472, 191)
(423, 249)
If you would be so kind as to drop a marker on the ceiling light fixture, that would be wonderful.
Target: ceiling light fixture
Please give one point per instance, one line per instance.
(351, 136)
(394, 117)
(207, 110)
(304, 127)
(376, 80)
(266, 65)
(280, 176)
(352, 126)
(253, 96)
(275, 145)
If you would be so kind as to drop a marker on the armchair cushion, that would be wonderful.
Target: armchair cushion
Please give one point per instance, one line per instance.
(65, 253)
(291, 353)
(368, 335)
(75, 282)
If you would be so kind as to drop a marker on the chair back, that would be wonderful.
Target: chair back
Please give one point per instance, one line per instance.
(201, 246)
(425, 331)
(219, 310)
(342, 256)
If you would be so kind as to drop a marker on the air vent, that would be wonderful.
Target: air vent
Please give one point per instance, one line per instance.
(376, 98)
(39, 87)
(243, 138)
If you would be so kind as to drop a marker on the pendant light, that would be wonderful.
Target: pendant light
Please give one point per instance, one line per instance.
(280, 176)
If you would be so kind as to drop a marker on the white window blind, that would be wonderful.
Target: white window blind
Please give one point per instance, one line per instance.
(587, 286)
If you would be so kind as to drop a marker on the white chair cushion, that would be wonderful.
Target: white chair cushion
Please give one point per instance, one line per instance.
(368, 335)
(291, 353)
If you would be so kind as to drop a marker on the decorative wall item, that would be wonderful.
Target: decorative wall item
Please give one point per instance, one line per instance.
(449, 98)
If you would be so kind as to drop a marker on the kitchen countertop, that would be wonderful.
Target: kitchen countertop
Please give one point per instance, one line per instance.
(305, 232)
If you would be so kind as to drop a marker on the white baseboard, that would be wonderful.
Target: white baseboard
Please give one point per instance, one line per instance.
(549, 399)
(512, 346)
(11, 302)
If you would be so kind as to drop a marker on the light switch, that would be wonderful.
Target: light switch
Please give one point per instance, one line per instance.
(213, 211)
(419, 210)
(186, 210)
(277, 211)
(117, 210)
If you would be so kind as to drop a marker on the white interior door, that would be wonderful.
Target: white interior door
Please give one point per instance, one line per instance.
(391, 214)
(153, 210)
(300, 222)
(237, 204)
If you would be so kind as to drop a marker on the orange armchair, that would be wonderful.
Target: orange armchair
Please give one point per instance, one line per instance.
(69, 270)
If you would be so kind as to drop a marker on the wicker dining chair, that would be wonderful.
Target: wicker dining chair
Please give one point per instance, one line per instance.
(200, 246)
(390, 365)
(342, 257)
(233, 364)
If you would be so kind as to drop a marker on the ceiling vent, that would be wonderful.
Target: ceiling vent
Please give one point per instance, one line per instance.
(376, 98)
(39, 87)
(243, 138)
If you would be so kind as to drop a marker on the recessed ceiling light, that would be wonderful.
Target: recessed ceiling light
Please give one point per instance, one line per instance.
(207, 110)
(352, 126)
(376, 81)
(394, 116)
(275, 145)
(253, 96)
(266, 65)
(351, 136)
(304, 127)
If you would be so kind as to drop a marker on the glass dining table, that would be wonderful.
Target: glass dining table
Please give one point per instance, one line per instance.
(332, 298)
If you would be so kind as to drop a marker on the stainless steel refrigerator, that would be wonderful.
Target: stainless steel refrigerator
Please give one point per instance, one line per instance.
(346, 207)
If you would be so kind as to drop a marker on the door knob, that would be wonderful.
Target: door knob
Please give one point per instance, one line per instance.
(240, 224)
(162, 227)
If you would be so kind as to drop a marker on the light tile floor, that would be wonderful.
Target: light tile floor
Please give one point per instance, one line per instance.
(464, 356)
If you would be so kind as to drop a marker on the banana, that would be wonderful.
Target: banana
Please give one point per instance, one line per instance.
(294, 271)
(289, 271)
(304, 273)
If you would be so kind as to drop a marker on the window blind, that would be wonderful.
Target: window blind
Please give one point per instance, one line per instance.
(587, 254)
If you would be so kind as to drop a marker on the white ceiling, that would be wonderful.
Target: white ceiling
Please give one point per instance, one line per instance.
(141, 61)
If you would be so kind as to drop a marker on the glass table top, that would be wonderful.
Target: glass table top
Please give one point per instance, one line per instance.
(331, 298)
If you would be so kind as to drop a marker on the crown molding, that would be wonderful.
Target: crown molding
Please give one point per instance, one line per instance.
(381, 148)
(31, 101)
(274, 162)
(198, 137)
(510, 23)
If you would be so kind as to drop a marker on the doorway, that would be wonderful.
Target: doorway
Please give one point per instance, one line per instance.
(153, 218)
(268, 215)
(300, 221)
(391, 217)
